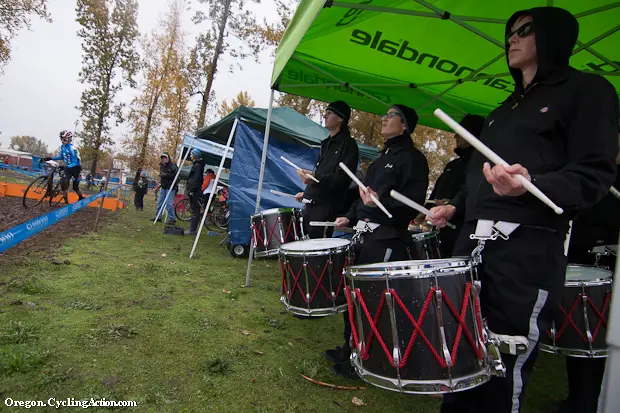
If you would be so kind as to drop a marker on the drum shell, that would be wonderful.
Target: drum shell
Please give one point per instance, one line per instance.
(276, 227)
(329, 296)
(426, 246)
(569, 342)
(422, 373)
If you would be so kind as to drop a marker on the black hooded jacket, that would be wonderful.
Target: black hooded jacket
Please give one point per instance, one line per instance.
(400, 167)
(333, 181)
(452, 179)
(194, 180)
(563, 128)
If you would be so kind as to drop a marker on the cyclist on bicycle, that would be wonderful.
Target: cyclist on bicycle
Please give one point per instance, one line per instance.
(73, 167)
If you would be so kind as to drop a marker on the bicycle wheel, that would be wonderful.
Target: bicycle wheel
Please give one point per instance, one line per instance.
(56, 195)
(182, 210)
(37, 189)
(220, 217)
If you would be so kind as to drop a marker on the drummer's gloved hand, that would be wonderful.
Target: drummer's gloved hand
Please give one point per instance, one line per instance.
(441, 215)
(299, 196)
(503, 182)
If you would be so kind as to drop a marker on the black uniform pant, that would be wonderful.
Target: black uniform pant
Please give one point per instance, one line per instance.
(373, 251)
(522, 282)
(318, 212)
(585, 377)
(194, 204)
(138, 200)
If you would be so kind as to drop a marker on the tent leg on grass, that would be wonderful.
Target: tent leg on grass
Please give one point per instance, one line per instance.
(260, 181)
(217, 179)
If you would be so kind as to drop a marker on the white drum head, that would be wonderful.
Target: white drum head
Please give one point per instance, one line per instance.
(585, 273)
(315, 244)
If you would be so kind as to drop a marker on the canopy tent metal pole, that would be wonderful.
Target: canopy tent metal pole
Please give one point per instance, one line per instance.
(609, 402)
(176, 177)
(597, 10)
(380, 9)
(318, 69)
(460, 81)
(263, 162)
(217, 179)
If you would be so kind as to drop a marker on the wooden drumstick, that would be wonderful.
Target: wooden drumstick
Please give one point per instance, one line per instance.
(614, 192)
(364, 188)
(297, 167)
(496, 159)
(273, 191)
(412, 204)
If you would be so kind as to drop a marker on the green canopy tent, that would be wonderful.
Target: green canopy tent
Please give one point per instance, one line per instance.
(448, 54)
(286, 125)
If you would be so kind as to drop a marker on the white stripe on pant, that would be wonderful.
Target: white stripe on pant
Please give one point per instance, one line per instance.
(533, 335)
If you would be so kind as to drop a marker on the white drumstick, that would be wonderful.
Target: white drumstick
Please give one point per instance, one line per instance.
(322, 224)
(411, 203)
(364, 188)
(297, 167)
(614, 192)
(273, 191)
(495, 158)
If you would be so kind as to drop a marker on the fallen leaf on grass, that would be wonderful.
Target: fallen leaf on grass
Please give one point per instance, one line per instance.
(358, 402)
(244, 332)
(226, 291)
(164, 255)
(253, 380)
(260, 353)
(131, 266)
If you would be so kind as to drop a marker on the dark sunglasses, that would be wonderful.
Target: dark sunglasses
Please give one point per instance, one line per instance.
(389, 115)
(523, 31)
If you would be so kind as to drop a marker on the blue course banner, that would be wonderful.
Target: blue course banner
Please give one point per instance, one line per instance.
(21, 171)
(23, 231)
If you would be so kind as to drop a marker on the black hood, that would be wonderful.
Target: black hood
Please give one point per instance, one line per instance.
(556, 32)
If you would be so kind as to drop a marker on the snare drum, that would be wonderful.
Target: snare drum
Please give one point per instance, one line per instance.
(313, 276)
(426, 245)
(417, 326)
(582, 326)
(272, 228)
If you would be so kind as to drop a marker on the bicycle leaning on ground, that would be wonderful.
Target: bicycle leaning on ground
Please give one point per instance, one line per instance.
(219, 213)
(44, 186)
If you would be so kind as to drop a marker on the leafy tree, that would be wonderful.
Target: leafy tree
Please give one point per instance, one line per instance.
(228, 18)
(15, 15)
(29, 144)
(162, 79)
(109, 61)
(242, 99)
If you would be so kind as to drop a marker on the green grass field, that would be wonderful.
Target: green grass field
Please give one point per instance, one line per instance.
(133, 318)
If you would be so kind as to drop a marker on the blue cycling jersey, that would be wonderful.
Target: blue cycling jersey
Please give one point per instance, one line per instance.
(69, 154)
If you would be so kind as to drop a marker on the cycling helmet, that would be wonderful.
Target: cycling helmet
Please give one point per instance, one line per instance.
(66, 134)
(196, 152)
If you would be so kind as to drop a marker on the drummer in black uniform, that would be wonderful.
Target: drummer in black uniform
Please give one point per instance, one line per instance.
(593, 228)
(452, 180)
(400, 167)
(325, 200)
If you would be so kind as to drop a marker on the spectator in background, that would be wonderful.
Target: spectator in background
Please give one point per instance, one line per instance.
(207, 184)
(141, 187)
(167, 172)
(194, 181)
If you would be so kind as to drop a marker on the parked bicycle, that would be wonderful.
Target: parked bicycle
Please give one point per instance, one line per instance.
(219, 213)
(44, 187)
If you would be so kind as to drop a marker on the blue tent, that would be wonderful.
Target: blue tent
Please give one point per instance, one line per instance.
(292, 135)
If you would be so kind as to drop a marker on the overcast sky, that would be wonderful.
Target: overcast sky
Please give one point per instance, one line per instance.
(40, 89)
